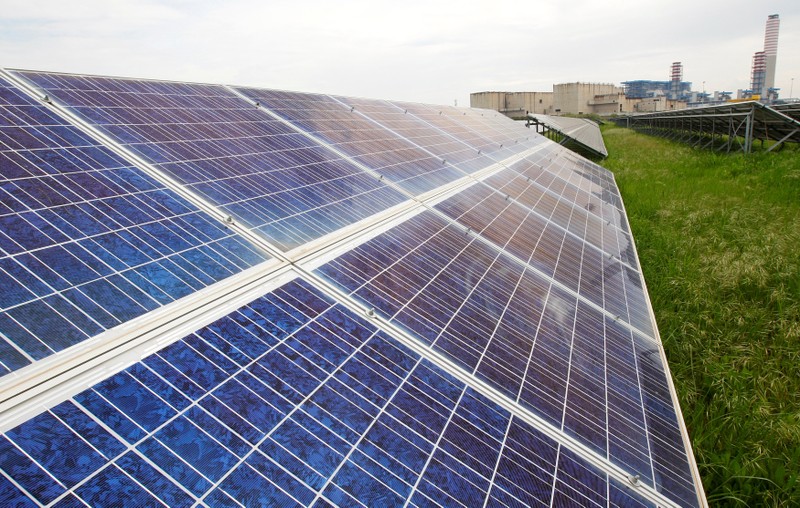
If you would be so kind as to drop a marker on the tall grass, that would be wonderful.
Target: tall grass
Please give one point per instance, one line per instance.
(719, 242)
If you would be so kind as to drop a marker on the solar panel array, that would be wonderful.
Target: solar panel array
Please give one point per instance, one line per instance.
(234, 296)
(732, 125)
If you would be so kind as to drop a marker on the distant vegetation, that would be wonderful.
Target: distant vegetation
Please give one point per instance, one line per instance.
(719, 241)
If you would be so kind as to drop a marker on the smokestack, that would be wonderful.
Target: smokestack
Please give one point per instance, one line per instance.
(771, 51)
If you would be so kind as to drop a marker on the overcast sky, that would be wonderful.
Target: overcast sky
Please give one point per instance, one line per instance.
(425, 51)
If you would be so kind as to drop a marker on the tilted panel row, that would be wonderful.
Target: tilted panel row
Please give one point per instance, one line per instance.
(391, 156)
(541, 346)
(291, 400)
(89, 242)
(262, 172)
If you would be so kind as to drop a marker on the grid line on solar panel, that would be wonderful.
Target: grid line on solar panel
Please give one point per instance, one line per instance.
(549, 262)
(413, 168)
(248, 470)
(420, 127)
(421, 133)
(82, 229)
(532, 403)
(578, 185)
(535, 195)
(69, 372)
(473, 128)
(522, 230)
(263, 172)
(292, 102)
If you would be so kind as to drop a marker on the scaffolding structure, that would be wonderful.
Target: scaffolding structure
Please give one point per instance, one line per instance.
(758, 78)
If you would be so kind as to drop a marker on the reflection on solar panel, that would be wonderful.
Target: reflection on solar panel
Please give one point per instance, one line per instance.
(257, 169)
(399, 160)
(421, 306)
(89, 242)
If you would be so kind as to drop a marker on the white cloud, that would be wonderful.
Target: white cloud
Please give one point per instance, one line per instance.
(416, 50)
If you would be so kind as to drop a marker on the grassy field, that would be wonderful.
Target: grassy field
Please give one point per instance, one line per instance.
(719, 241)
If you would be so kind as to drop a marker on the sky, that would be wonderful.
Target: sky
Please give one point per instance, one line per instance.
(433, 51)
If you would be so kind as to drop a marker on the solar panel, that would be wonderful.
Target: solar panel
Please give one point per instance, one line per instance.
(483, 130)
(432, 139)
(89, 241)
(413, 167)
(314, 405)
(475, 332)
(473, 304)
(722, 126)
(256, 168)
(582, 131)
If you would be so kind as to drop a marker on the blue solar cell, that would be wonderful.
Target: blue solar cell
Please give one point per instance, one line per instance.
(197, 448)
(10, 495)
(135, 401)
(56, 448)
(266, 174)
(111, 416)
(249, 485)
(577, 483)
(27, 474)
(113, 488)
(63, 227)
(152, 480)
(80, 423)
(178, 470)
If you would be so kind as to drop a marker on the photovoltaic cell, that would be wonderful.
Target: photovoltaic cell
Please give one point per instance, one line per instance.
(397, 159)
(261, 171)
(558, 252)
(487, 131)
(539, 345)
(511, 359)
(549, 197)
(325, 409)
(88, 242)
(430, 138)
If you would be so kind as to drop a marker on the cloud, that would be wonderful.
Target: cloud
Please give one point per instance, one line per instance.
(415, 50)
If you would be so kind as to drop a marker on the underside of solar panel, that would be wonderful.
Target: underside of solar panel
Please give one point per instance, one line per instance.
(224, 296)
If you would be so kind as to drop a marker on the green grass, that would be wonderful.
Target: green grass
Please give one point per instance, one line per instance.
(718, 237)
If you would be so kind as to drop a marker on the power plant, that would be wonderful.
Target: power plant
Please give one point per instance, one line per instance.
(641, 95)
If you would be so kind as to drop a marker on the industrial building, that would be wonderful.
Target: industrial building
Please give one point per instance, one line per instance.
(514, 104)
(593, 98)
(572, 99)
(675, 89)
(566, 98)
(584, 98)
